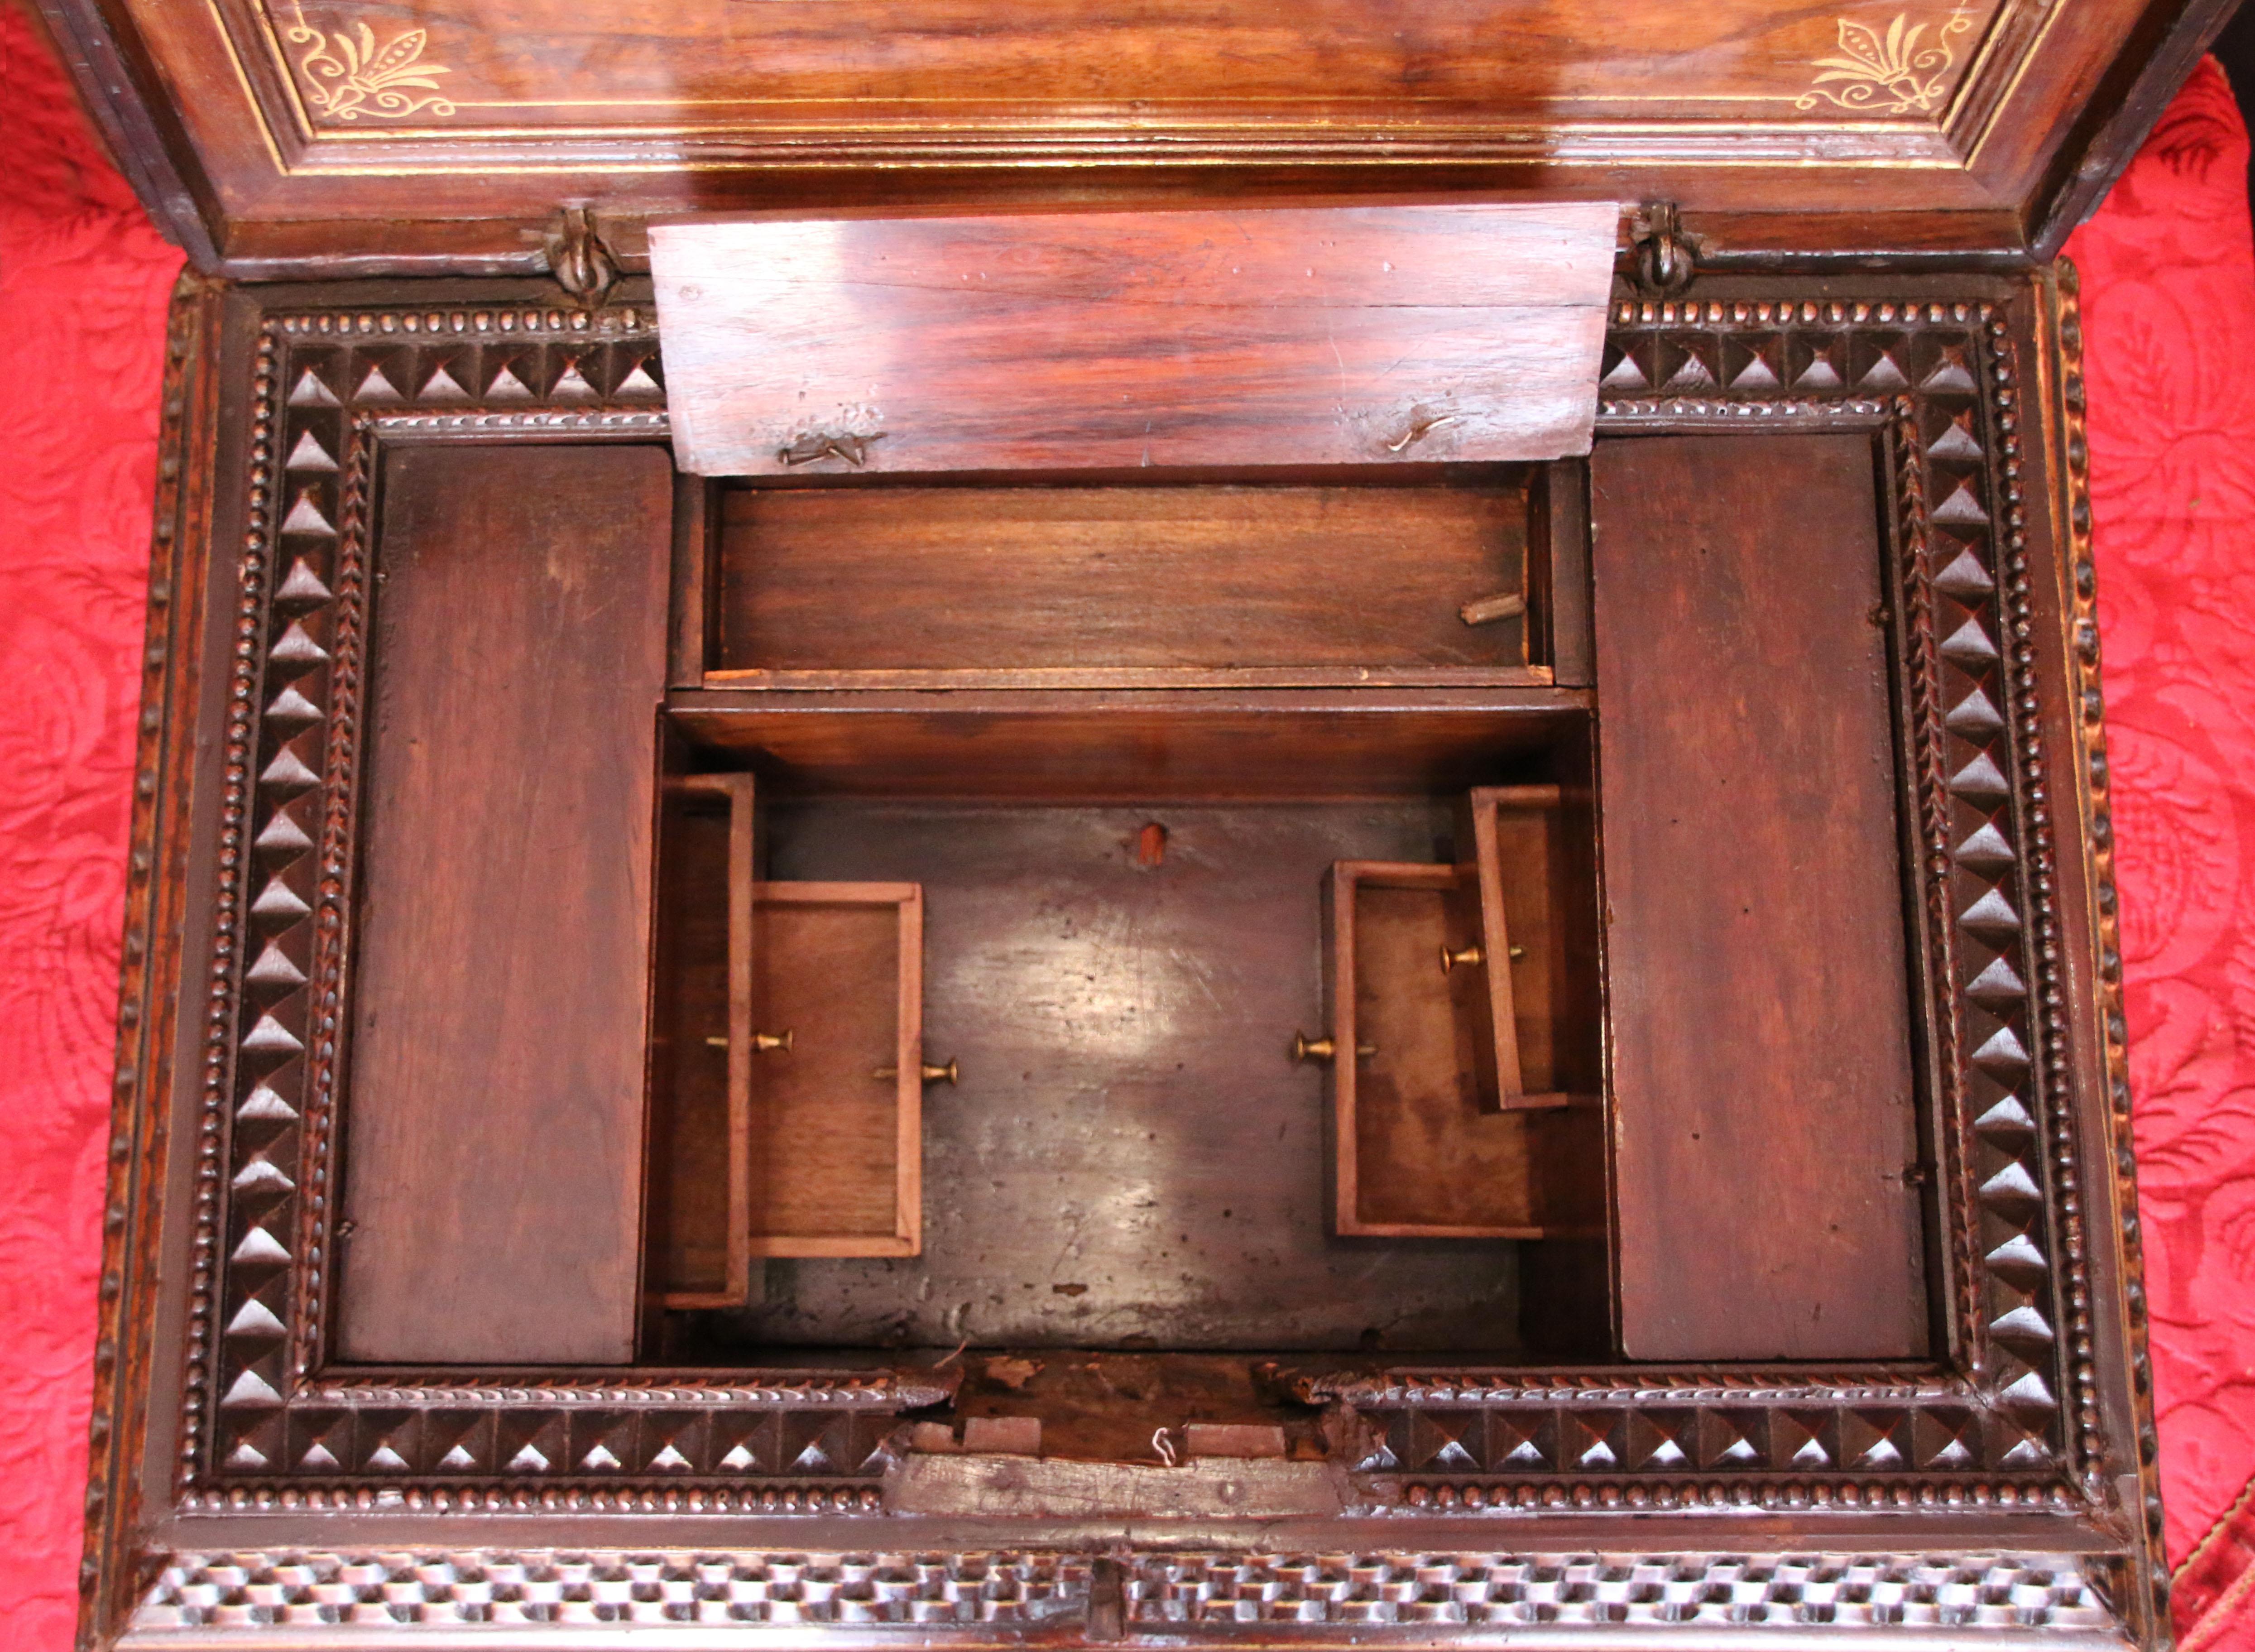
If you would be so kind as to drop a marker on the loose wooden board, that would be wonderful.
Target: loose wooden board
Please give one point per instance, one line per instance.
(1344, 336)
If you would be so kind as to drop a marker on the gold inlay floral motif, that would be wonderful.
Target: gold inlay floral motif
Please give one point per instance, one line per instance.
(1890, 74)
(347, 74)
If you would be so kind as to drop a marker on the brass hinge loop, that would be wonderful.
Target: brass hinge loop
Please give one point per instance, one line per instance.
(1666, 258)
(582, 264)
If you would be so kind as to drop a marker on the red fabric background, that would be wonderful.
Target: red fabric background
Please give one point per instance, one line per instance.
(2168, 267)
(2169, 309)
(84, 285)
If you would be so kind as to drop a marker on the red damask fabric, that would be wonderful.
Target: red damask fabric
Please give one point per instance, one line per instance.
(2168, 268)
(2169, 311)
(83, 286)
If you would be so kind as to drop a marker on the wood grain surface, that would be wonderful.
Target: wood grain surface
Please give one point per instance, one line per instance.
(1760, 1002)
(494, 1140)
(1346, 335)
(1220, 577)
(1175, 747)
(1132, 1158)
(836, 1150)
(244, 125)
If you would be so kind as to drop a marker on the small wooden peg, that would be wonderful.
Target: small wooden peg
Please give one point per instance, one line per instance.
(1488, 609)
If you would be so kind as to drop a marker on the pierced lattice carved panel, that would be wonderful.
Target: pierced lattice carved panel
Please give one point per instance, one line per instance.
(407, 1594)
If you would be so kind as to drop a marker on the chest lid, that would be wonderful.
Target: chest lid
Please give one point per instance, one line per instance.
(325, 136)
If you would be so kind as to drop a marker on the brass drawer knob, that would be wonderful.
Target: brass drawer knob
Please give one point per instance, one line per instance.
(760, 1041)
(1470, 956)
(949, 1075)
(1307, 1049)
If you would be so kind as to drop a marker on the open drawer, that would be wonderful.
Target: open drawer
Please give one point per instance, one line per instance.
(788, 1075)
(1530, 962)
(1422, 1146)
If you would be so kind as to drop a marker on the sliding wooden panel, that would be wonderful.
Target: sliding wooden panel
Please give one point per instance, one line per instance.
(493, 1127)
(1764, 1120)
(1085, 340)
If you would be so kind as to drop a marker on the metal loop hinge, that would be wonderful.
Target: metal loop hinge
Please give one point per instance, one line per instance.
(583, 265)
(1666, 258)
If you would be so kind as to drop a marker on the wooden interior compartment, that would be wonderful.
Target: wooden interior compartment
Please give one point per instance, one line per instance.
(1420, 1148)
(1766, 1094)
(1331, 577)
(700, 1216)
(1133, 1157)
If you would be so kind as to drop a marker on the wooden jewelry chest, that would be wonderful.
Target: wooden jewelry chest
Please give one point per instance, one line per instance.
(971, 826)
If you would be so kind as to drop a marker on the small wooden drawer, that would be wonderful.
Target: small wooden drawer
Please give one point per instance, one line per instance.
(1528, 852)
(1422, 1148)
(835, 1138)
(789, 1083)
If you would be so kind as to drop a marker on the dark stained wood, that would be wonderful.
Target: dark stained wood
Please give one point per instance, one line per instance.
(835, 1141)
(965, 579)
(2008, 127)
(1224, 921)
(1417, 1154)
(695, 527)
(1133, 747)
(1760, 1003)
(1353, 335)
(691, 1214)
(494, 1085)
(1525, 849)
(1558, 572)
(701, 1151)
(1131, 1156)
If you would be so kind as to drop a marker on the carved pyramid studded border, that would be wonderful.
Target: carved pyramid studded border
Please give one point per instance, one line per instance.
(258, 1427)
(263, 1425)
(1939, 384)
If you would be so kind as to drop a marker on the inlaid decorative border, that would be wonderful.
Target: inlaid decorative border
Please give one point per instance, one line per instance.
(1938, 386)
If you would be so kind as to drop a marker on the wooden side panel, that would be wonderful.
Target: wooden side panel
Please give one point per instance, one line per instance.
(1760, 1002)
(495, 1128)
(1298, 336)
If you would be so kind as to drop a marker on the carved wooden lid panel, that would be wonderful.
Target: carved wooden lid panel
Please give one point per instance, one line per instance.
(330, 116)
